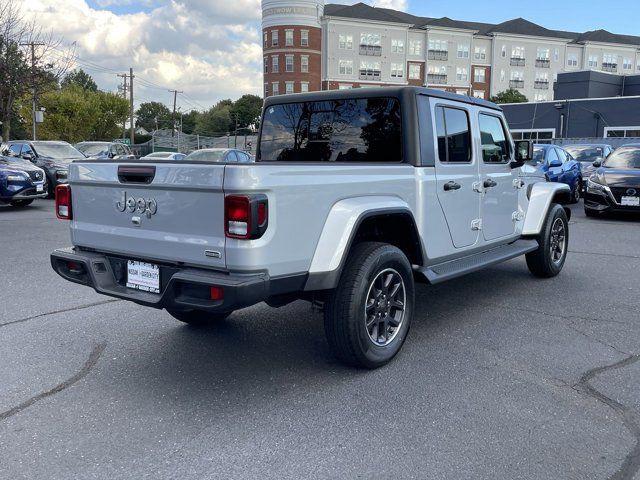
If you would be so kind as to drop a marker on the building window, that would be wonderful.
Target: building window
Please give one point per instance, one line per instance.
(541, 97)
(463, 51)
(503, 76)
(288, 38)
(438, 50)
(274, 38)
(627, 64)
(556, 55)
(437, 75)
(610, 62)
(593, 61)
(517, 79)
(480, 75)
(542, 54)
(397, 70)
(288, 60)
(345, 67)
(480, 53)
(462, 74)
(517, 53)
(504, 51)
(415, 71)
(370, 44)
(304, 63)
(461, 92)
(544, 135)
(479, 94)
(397, 46)
(622, 132)
(275, 88)
(266, 65)
(304, 38)
(266, 89)
(369, 70)
(572, 60)
(275, 66)
(345, 42)
(344, 86)
(304, 87)
(288, 87)
(542, 81)
(266, 39)
(415, 47)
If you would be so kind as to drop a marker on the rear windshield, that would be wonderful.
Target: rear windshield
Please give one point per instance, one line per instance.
(345, 130)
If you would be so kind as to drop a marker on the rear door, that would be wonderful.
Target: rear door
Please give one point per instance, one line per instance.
(500, 194)
(157, 212)
(457, 173)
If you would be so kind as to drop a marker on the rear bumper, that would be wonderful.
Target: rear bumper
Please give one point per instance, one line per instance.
(181, 288)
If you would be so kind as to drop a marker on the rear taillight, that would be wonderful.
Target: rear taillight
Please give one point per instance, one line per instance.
(245, 216)
(63, 202)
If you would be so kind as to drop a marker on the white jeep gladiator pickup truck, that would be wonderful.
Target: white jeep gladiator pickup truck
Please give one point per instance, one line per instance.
(354, 197)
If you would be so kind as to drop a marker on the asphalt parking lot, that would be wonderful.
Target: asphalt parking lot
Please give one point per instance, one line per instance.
(503, 376)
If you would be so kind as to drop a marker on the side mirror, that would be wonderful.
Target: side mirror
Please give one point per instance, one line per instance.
(597, 163)
(555, 163)
(523, 154)
(27, 156)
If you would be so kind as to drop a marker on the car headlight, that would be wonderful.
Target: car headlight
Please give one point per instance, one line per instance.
(593, 186)
(16, 178)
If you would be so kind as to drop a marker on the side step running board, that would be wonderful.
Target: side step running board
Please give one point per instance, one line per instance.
(455, 268)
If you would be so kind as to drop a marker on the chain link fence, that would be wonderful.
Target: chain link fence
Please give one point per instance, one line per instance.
(167, 140)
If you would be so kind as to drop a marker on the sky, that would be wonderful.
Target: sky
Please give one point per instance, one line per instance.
(211, 50)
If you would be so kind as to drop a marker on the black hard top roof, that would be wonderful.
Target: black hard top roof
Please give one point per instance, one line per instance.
(397, 92)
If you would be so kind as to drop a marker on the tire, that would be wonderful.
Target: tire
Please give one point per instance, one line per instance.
(361, 297)
(21, 203)
(577, 193)
(548, 260)
(198, 318)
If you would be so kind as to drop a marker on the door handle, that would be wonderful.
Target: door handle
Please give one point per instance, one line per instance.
(451, 186)
(489, 183)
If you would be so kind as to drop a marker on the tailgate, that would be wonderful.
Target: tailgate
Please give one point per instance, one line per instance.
(161, 212)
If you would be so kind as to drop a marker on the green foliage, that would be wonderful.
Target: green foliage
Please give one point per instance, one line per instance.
(215, 121)
(509, 96)
(248, 108)
(79, 78)
(74, 114)
(189, 122)
(149, 112)
(13, 71)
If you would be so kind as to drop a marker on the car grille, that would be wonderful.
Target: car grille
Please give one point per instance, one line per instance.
(619, 192)
(36, 176)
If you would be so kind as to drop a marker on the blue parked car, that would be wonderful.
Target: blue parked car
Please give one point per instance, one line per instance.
(559, 166)
(20, 182)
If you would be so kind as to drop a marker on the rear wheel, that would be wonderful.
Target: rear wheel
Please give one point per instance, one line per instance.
(549, 259)
(198, 318)
(21, 203)
(367, 317)
(577, 193)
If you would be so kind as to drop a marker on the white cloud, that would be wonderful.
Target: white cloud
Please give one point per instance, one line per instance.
(210, 49)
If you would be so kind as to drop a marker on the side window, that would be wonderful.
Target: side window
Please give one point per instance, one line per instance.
(552, 155)
(454, 136)
(495, 146)
(26, 149)
(231, 156)
(14, 149)
(562, 155)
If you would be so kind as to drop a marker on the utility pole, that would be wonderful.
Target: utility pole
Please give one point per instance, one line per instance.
(33, 46)
(173, 116)
(123, 89)
(131, 105)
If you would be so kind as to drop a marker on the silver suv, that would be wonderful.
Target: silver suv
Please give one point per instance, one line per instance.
(354, 197)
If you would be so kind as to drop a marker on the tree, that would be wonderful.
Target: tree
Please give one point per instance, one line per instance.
(248, 108)
(150, 114)
(509, 96)
(111, 111)
(189, 121)
(81, 79)
(215, 121)
(25, 69)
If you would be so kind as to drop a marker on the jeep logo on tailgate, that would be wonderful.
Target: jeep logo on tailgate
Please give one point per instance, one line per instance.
(147, 206)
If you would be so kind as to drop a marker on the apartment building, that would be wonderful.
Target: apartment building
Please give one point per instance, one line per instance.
(311, 46)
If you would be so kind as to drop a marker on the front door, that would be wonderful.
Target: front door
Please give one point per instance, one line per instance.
(457, 174)
(500, 193)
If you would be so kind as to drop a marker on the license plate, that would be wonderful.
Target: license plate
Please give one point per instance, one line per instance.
(143, 276)
(631, 201)
(39, 188)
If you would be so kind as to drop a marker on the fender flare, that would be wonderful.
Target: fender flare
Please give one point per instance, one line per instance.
(541, 196)
(338, 233)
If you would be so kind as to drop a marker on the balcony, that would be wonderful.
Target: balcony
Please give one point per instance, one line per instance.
(541, 85)
(516, 83)
(371, 50)
(437, 78)
(609, 67)
(543, 63)
(438, 55)
(369, 74)
(518, 62)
